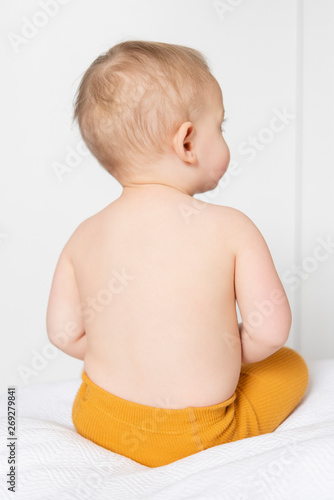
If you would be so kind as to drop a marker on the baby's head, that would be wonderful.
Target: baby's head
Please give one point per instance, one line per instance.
(144, 104)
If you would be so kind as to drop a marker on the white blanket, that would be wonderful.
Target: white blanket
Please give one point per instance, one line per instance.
(294, 462)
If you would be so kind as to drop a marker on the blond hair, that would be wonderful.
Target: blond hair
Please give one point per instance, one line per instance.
(132, 99)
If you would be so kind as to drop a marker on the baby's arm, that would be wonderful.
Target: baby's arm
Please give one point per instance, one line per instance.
(65, 326)
(263, 304)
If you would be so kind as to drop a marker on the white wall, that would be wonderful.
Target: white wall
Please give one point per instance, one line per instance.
(269, 56)
(316, 178)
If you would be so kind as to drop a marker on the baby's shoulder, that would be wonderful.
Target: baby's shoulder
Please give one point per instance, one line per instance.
(228, 216)
(82, 234)
(230, 224)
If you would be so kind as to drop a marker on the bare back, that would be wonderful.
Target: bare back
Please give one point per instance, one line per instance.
(156, 281)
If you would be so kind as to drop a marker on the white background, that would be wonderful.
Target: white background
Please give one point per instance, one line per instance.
(269, 57)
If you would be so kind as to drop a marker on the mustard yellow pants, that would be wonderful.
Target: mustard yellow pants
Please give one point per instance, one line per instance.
(266, 394)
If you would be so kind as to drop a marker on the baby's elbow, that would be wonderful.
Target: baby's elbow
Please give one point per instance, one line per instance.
(286, 332)
(55, 340)
(282, 327)
(273, 330)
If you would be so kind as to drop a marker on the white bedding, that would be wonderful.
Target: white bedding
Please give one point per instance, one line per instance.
(54, 462)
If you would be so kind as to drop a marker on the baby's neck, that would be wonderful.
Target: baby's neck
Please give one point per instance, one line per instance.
(153, 188)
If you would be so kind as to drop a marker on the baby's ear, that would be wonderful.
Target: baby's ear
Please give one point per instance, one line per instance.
(183, 143)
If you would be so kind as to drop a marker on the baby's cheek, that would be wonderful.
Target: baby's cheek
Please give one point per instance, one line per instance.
(227, 156)
(224, 162)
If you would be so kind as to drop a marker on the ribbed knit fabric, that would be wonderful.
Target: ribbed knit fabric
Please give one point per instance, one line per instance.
(266, 394)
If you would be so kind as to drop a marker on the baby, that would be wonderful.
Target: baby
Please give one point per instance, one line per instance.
(145, 291)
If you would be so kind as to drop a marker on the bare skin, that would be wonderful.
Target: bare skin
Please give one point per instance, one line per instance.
(170, 336)
(145, 290)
